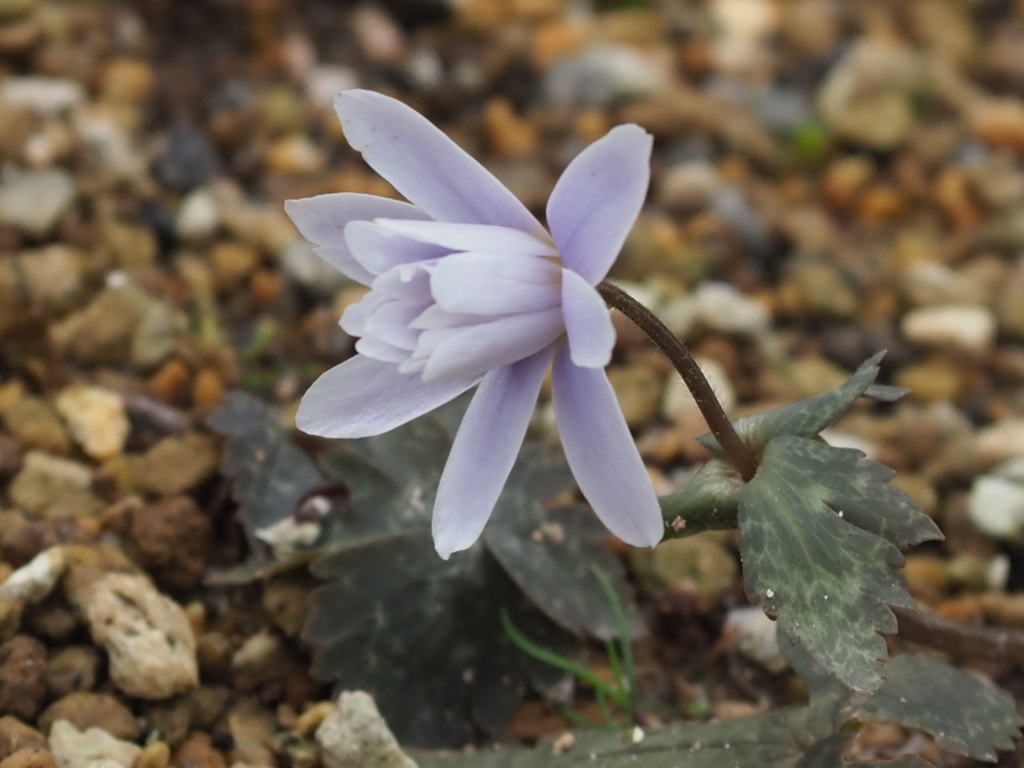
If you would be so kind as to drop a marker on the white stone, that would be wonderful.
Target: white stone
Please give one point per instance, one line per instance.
(1000, 441)
(970, 327)
(996, 503)
(355, 736)
(91, 748)
(96, 418)
(34, 201)
(287, 536)
(37, 578)
(720, 307)
(601, 74)
(198, 215)
(43, 95)
(148, 637)
(756, 636)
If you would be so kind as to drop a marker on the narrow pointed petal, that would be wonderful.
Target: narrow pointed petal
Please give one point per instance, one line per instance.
(364, 397)
(602, 454)
(597, 199)
(588, 322)
(472, 351)
(495, 283)
(484, 451)
(322, 220)
(378, 250)
(470, 237)
(426, 166)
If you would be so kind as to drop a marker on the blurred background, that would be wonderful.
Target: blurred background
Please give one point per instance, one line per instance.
(830, 179)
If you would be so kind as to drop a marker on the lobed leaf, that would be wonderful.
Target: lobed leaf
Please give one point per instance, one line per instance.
(551, 555)
(965, 714)
(828, 582)
(810, 416)
(422, 634)
(392, 612)
(271, 475)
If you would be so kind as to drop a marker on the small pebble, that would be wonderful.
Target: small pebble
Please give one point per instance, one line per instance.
(355, 735)
(88, 748)
(87, 710)
(151, 648)
(96, 418)
(22, 677)
(997, 500)
(35, 201)
(30, 757)
(967, 327)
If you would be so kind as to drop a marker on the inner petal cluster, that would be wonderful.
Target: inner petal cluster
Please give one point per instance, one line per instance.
(453, 300)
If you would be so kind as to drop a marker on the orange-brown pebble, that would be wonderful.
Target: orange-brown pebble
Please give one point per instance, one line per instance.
(197, 751)
(845, 179)
(127, 81)
(927, 579)
(953, 197)
(968, 608)
(30, 757)
(232, 261)
(208, 388)
(266, 287)
(156, 754)
(556, 38)
(508, 134)
(170, 381)
(880, 204)
(590, 125)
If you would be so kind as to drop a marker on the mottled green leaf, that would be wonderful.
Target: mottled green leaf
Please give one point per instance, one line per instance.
(271, 475)
(423, 635)
(808, 417)
(392, 478)
(777, 739)
(965, 714)
(709, 502)
(828, 582)
(858, 489)
(551, 554)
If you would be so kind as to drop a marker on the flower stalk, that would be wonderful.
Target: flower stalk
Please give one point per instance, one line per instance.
(718, 422)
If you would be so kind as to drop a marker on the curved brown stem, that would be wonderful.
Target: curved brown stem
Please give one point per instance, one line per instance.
(718, 422)
(961, 640)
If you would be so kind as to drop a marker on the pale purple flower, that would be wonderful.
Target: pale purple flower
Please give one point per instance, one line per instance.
(468, 288)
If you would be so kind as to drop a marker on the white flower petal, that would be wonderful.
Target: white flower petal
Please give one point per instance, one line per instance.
(390, 324)
(378, 249)
(427, 167)
(588, 323)
(470, 237)
(484, 451)
(473, 350)
(602, 454)
(495, 283)
(597, 199)
(364, 397)
(382, 351)
(322, 220)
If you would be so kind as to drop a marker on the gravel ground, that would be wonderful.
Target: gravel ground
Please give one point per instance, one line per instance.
(830, 179)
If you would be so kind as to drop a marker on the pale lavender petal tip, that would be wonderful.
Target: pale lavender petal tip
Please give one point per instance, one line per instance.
(364, 397)
(484, 451)
(602, 454)
(426, 166)
(597, 199)
(322, 220)
(588, 323)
